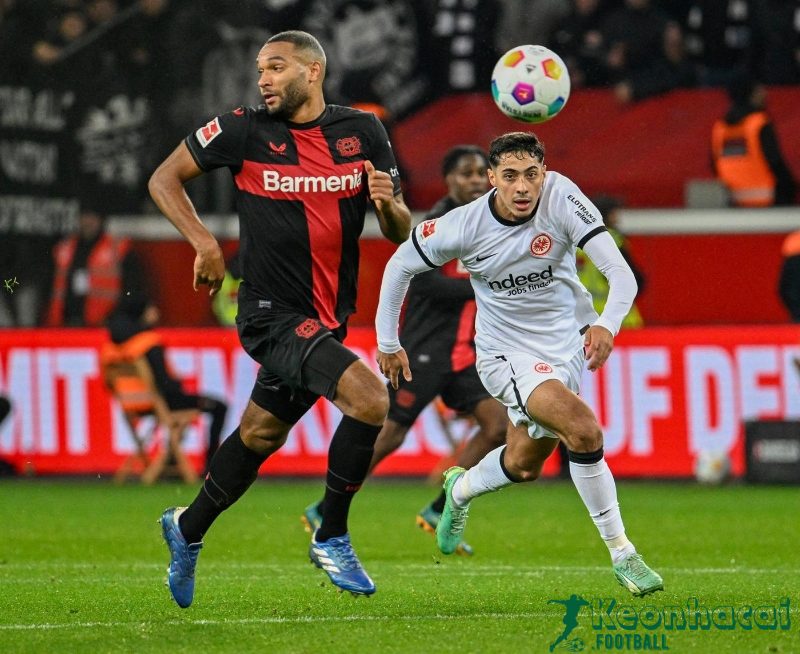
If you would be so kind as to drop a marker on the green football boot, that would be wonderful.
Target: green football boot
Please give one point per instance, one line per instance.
(428, 518)
(454, 519)
(633, 573)
(311, 518)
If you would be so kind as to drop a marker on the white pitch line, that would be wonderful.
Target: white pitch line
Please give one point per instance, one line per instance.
(292, 620)
(145, 580)
(397, 568)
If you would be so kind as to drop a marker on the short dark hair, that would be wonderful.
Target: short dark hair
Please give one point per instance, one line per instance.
(518, 143)
(452, 156)
(302, 41)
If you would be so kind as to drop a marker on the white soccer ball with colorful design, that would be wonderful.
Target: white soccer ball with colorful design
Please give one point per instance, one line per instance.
(712, 466)
(530, 83)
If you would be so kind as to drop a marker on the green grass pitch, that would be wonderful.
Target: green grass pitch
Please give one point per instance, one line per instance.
(82, 569)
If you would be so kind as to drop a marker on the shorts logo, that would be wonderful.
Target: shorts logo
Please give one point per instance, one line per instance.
(543, 367)
(208, 132)
(307, 328)
(541, 244)
(239, 111)
(348, 147)
(405, 399)
(427, 228)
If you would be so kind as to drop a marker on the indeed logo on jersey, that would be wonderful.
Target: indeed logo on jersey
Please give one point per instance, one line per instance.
(275, 181)
(534, 280)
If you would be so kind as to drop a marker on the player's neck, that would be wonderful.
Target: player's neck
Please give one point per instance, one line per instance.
(309, 111)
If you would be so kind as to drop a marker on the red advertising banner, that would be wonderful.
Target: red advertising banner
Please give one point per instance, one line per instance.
(664, 395)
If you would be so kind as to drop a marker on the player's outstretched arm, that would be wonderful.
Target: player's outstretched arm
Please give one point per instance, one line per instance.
(167, 190)
(394, 216)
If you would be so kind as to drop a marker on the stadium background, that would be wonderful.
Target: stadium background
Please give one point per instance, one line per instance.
(87, 119)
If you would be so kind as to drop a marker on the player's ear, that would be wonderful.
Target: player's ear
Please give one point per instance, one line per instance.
(490, 175)
(315, 71)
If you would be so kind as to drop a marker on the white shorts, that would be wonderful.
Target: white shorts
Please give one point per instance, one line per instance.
(511, 378)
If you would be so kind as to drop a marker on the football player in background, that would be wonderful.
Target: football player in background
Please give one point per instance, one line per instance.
(438, 334)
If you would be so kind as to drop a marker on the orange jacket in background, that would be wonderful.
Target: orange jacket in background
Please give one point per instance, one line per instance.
(104, 269)
(740, 161)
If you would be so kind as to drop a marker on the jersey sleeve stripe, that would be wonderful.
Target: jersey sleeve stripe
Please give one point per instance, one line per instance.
(419, 249)
(591, 235)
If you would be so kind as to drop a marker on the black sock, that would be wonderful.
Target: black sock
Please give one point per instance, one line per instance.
(217, 410)
(349, 457)
(233, 469)
(438, 503)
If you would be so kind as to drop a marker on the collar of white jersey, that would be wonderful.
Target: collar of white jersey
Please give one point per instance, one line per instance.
(510, 223)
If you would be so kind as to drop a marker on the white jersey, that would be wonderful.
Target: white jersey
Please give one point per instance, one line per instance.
(526, 284)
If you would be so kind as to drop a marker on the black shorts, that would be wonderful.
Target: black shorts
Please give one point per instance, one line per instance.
(460, 391)
(301, 360)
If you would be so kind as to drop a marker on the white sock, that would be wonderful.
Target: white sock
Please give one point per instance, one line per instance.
(597, 489)
(485, 477)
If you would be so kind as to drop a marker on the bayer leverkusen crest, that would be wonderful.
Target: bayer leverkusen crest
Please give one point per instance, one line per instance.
(349, 146)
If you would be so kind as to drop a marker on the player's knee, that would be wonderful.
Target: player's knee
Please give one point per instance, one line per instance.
(263, 438)
(584, 436)
(529, 475)
(373, 404)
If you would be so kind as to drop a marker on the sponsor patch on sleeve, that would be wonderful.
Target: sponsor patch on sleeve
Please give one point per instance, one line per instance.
(208, 132)
(427, 229)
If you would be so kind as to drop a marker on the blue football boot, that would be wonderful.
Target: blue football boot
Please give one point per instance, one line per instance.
(182, 557)
(338, 559)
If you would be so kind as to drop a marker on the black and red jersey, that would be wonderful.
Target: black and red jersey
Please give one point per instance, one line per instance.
(301, 194)
(439, 320)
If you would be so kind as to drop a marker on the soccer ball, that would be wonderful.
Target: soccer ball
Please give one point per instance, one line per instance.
(530, 83)
(712, 467)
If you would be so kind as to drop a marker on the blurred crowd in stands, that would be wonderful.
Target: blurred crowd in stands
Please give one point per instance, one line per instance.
(128, 74)
(94, 92)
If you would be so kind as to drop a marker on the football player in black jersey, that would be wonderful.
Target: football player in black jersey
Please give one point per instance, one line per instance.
(437, 333)
(304, 172)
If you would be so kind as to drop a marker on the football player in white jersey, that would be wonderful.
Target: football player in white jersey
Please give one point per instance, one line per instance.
(536, 328)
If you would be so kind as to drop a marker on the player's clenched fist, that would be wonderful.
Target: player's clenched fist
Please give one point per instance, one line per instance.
(209, 269)
(379, 183)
